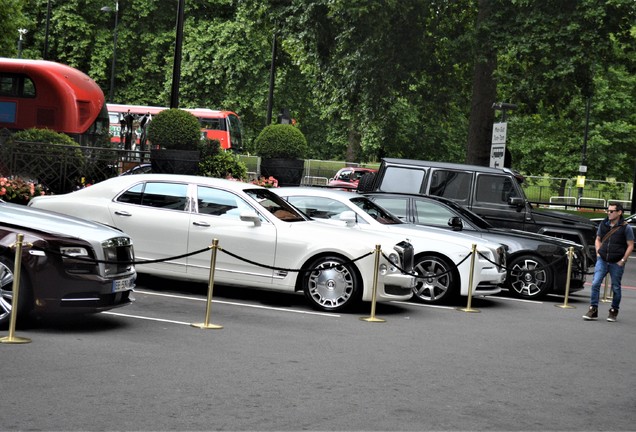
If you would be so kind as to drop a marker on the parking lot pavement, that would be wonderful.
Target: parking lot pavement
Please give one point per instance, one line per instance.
(278, 365)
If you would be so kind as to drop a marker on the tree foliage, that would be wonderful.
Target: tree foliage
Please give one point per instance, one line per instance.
(365, 79)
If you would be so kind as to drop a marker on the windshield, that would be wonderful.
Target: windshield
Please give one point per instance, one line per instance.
(276, 205)
(376, 212)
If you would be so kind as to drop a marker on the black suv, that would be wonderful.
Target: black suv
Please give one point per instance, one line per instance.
(494, 194)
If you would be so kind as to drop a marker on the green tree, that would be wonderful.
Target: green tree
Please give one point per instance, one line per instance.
(11, 19)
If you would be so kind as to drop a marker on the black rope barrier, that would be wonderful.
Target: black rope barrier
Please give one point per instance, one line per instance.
(426, 277)
(301, 270)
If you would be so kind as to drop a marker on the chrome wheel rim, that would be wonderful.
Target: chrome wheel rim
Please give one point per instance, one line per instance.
(525, 281)
(433, 282)
(331, 288)
(6, 291)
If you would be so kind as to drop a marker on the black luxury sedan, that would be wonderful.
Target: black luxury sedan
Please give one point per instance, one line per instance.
(68, 265)
(537, 264)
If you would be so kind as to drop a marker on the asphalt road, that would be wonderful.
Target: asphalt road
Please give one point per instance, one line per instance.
(278, 365)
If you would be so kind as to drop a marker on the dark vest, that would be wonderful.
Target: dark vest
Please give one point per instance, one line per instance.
(614, 247)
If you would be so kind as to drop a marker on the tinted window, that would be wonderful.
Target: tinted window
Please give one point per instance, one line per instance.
(432, 213)
(495, 189)
(453, 185)
(171, 196)
(16, 85)
(375, 211)
(236, 133)
(398, 179)
(397, 206)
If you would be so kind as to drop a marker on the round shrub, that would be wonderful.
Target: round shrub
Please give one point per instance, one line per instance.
(281, 141)
(175, 129)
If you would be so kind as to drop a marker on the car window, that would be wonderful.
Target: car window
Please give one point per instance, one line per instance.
(344, 175)
(406, 180)
(376, 211)
(495, 189)
(397, 206)
(453, 185)
(217, 202)
(432, 213)
(276, 205)
(318, 207)
(173, 196)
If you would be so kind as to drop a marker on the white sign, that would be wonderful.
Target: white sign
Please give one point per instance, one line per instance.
(498, 146)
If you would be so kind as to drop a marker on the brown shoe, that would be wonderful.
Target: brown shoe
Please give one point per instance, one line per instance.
(592, 314)
(613, 314)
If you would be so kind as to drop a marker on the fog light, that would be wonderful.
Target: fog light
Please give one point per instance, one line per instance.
(383, 269)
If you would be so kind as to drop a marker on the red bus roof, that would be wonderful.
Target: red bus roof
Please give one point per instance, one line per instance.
(66, 99)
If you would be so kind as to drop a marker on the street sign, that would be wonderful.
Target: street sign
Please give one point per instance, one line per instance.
(498, 146)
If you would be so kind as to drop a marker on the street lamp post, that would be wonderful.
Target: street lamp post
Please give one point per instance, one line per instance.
(112, 67)
(21, 33)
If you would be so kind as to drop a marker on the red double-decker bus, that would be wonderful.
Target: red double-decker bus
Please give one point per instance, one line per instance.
(223, 126)
(44, 94)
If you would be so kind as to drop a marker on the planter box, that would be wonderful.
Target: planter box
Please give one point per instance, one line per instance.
(288, 172)
(175, 161)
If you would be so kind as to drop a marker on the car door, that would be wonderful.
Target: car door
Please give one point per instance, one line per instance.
(216, 215)
(155, 215)
(491, 201)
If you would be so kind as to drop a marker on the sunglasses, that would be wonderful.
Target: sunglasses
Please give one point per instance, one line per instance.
(612, 211)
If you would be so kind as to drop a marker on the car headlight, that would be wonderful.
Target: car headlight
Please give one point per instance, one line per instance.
(77, 266)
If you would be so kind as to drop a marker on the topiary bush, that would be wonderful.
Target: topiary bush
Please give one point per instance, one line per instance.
(175, 129)
(281, 141)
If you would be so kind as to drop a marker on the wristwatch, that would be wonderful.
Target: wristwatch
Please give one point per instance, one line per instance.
(622, 259)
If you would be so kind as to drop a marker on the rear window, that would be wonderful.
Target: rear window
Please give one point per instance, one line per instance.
(400, 179)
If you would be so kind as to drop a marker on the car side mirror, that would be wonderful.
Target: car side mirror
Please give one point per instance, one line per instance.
(456, 223)
(250, 216)
(516, 202)
(349, 217)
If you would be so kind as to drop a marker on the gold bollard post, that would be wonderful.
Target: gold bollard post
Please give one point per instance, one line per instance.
(567, 283)
(12, 339)
(374, 294)
(605, 298)
(208, 304)
(468, 307)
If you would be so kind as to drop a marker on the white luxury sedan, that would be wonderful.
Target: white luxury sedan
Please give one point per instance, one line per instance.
(440, 255)
(263, 241)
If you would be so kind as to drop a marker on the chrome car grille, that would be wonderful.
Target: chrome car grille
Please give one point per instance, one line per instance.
(501, 258)
(406, 253)
(119, 253)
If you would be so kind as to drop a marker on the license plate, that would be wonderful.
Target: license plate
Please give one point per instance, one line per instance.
(123, 284)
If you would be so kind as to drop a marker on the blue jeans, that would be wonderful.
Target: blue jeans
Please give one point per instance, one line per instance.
(615, 271)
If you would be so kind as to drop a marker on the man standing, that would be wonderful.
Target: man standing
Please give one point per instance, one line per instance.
(614, 244)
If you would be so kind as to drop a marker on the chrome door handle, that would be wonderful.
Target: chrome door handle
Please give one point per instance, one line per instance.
(202, 224)
(122, 213)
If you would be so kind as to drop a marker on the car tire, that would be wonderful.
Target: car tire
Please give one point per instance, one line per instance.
(6, 292)
(433, 289)
(331, 288)
(525, 283)
(365, 184)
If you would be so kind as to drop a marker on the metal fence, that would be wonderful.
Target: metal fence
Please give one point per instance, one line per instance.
(63, 168)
